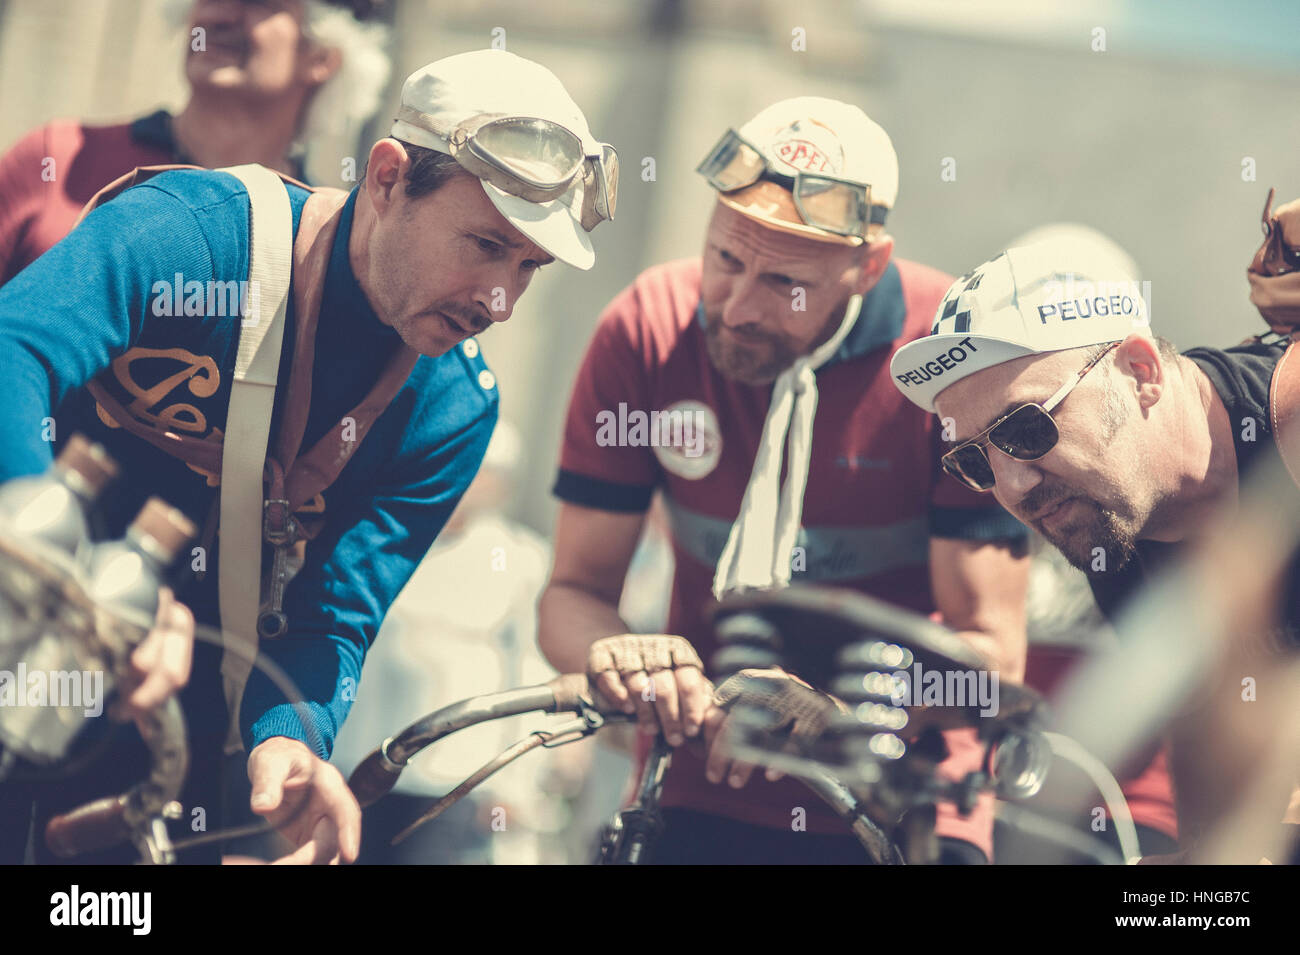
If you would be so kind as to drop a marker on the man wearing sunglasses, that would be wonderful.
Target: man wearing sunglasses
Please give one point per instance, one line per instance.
(1044, 371)
(783, 455)
(490, 173)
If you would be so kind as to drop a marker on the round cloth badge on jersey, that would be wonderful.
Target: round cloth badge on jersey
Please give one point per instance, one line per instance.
(692, 440)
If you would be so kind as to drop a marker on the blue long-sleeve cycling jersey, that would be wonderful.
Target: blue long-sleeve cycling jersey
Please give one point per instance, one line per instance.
(119, 293)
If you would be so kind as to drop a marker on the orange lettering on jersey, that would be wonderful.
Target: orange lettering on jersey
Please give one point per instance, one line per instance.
(201, 378)
(198, 372)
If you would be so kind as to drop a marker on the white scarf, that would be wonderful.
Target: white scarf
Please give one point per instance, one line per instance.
(762, 538)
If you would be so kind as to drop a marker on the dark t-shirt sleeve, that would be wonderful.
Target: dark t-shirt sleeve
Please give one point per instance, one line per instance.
(596, 469)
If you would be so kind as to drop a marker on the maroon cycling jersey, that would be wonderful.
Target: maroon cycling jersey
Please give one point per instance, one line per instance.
(50, 174)
(649, 412)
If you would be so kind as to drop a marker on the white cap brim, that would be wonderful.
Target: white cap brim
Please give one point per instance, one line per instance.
(925, 367)
(549, 224)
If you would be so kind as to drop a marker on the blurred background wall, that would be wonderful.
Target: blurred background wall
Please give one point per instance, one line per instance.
(1162, 124)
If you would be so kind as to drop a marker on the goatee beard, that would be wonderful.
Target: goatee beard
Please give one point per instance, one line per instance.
(743, 364)
(1106, 532)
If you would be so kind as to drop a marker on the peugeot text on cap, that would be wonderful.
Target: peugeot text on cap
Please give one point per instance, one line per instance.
(467, 85)
(1027, 301)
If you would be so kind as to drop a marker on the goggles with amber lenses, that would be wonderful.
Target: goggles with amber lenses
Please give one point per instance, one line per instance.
(824, 202)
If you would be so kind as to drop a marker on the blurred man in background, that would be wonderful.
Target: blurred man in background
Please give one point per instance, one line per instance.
(264, 75)
(788, 320)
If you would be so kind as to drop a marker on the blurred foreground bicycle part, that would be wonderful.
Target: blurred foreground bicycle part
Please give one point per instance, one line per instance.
(905, 679)
(71, 614)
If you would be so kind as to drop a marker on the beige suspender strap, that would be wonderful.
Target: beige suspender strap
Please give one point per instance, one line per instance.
(248, 426)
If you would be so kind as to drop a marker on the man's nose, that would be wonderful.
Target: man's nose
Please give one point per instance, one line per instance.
(497, 300)
(740, 306)
(1014, 478)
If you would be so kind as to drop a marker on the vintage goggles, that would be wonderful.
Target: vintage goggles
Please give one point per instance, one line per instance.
(1026, 434)
(824, 202)
(535, 159)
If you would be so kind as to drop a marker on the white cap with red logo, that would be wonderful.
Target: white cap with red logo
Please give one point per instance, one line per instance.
(813, 134)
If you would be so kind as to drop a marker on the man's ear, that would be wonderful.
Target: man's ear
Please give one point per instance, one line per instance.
(1138, 358)
(874, 259)
(324, 62)
(385, 173)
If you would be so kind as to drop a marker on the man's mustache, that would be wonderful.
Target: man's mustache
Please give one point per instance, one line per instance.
(1041, 499)
(468, 319)
(751, 331)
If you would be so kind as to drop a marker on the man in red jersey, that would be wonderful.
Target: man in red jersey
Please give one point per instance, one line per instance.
(260, 75)
(698, 376)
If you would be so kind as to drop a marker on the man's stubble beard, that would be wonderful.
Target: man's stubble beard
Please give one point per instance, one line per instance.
(746, 364)
(1115, 533)
(417, 329)
(1102, 528)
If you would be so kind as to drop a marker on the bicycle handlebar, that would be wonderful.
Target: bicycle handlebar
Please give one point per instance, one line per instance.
(376, 775)
(90, 828)
(135, 813)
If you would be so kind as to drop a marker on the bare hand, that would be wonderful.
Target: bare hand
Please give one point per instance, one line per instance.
(160, 665)
(306, 799)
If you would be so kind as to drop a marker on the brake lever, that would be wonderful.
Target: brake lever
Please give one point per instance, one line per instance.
(592, 719)
(589, 722)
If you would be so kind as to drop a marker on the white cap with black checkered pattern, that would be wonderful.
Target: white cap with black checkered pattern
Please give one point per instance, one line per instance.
(1026, 301)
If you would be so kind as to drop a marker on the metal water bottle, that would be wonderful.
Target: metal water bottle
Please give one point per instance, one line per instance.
(79, 654)
(124, 576)
(43, 540)
(43, 532)
(50, 509)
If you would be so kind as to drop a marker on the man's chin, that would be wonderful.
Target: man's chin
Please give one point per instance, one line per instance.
(1080, 543)
(423, 342)
(1078, 555)
(428, 346)
(428, 333)
(224, 79)
(744, 365)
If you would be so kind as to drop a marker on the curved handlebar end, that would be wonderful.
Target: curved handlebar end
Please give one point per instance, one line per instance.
(89, 828)
(374, 778)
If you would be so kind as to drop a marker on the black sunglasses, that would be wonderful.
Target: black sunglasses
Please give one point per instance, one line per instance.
(1026, 434)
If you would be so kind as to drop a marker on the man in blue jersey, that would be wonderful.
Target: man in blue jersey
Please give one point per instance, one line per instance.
(490, 173)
